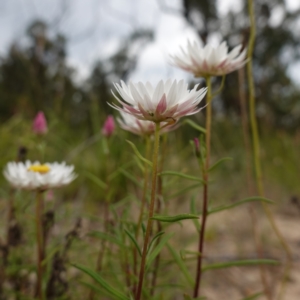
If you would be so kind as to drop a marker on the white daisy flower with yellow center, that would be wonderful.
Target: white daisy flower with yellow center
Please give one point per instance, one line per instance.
(37, 176)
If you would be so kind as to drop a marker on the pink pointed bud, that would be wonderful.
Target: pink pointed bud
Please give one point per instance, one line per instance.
(197, 147)
(109, 126)
(40, 124)
(49, 196)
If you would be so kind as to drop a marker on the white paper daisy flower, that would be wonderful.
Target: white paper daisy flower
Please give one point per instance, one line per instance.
(36, 176)
(209, 60)
(167, 102)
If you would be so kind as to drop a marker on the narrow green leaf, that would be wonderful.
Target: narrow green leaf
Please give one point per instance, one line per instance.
(250, 199)
(129, 176)
(151, 256)
(181, 265)
(184, 252)
(93, 287)
(154, 239)
(182, 175)
(143, 228)
(134, 241)
(102, 282)
(248, 262)
(139, 164)
(172, 219)
(138, 154)
(194, 125)
(184, 190)
(50, 255)
(117, 172)
(107, 237)
(252, 297)
(96, 180)
(215, 165)
(193, 211)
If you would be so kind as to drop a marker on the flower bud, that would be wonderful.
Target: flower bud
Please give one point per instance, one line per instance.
(40, 124)
(109, 126)
(197, 147)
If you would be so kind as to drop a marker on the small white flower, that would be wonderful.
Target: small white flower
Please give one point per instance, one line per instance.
(167, 102)
(36, 176)
(209, 61)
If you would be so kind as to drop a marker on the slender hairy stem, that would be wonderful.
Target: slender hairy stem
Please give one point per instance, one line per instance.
(245, 127)
(205, 190)
(143, 202)
(256, 147)
(250, 184)
(158, 210)
(150, 212)
(126, 266)
(39, 238)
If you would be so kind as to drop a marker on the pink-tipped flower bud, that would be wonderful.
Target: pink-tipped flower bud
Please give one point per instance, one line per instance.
(40, 124)
(197, 147)
(109, 126)
(49, 196)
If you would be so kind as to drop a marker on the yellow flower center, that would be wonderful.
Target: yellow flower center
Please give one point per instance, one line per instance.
(42, 169)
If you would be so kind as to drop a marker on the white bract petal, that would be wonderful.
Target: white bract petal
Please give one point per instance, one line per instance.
(166, 102)
(209, 61)
(36, 176)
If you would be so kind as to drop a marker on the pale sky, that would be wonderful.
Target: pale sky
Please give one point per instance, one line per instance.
(94, 29)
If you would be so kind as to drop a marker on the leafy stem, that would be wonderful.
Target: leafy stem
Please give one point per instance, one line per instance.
(205, 189)
(39, 237)
(150, 212)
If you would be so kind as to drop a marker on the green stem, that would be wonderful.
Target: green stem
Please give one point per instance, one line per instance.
(150, 212)
(256, 147)
(143, 202)
(39, 238)
(250, 184)
(219, 90)
(158, 211)
(205, 190)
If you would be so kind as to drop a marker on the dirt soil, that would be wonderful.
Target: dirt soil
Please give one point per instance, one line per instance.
(230, 237)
